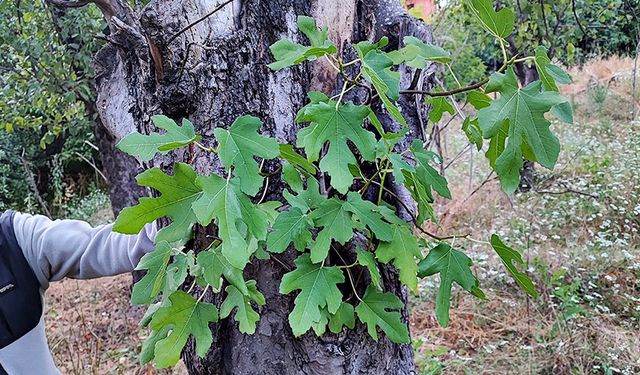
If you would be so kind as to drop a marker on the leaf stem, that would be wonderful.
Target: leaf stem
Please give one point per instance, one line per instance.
(331, 63)
(344, 89)
(349, 265)
(353, 285)
(204, 148)
(447, 93)
(477, 241)
(203, 293)
(524, 59)
(504, 51)
(384, 176)
(264, 191)
(415, 220)
(460, 89)
(454, 75)
(350, 63)
(193, 284)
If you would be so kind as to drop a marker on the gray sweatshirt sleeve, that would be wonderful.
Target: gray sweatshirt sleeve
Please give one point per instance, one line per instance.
(74, 249)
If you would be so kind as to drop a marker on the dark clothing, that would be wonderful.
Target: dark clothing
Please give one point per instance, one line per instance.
(20, 301)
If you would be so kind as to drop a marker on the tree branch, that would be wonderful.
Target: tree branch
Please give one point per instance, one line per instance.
(216, 9)
(447, 93)
(32, 183)
(575, 15)
(567, 190)
(70, 4)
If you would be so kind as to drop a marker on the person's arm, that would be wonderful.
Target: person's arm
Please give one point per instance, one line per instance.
(74, 249)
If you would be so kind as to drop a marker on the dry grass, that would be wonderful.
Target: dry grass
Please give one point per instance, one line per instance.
(93, 329)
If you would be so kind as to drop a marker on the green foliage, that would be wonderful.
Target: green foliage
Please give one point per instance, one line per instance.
(215, 265)
(234, 214)
(178, 192)
(145, 147)
(238, 146)
(417, 53)
(403, 250)
(290, 226)
(336, 223)
(380, 310)
(45, 85)
(336, 124)
(288, 53)
(509, 256)
(453, 266)
(335, 186)
(186, 317)
(519, 113)
(245, 314)
(499, 24)
(45, 74)
(156, 263)
(318, 287)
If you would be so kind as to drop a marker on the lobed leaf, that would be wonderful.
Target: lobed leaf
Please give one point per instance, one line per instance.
(376, 68)
(367, 259)
(318, 287)
(373, 310)
(290, 226)
(336, 124)
(336, 223)
(178, 192)
(522, 110)
(288, 53)
(499, 24)
(186, 317)
(145, 147)
(369, 214)
(453, 266)
(155, 263)
(417, 53)
(403, 249)
(245, 315)
(215, 265)
(239, 145)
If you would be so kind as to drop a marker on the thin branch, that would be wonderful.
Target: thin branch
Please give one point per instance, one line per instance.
(98, 171)
(447, 93)
(544, 19)
(32, 183)
(70, 4)
(566, 191)
(575, 15)
(415, 220)
(216, 9)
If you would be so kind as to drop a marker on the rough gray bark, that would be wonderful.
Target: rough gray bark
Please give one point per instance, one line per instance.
(212, 73)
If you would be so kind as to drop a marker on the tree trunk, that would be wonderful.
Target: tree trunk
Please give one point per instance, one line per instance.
(213, 72)
(120, 170)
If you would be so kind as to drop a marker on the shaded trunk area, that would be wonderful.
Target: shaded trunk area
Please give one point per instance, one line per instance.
(186, 59)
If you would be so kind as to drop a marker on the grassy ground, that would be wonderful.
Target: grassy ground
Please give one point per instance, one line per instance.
(578, 233)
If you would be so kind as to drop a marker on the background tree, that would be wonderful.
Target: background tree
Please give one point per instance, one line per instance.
(47, 109)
